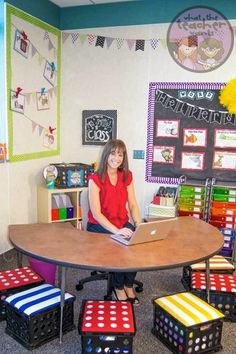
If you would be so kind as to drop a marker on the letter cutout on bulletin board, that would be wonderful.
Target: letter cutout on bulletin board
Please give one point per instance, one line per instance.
(33, 86)
(189, 133)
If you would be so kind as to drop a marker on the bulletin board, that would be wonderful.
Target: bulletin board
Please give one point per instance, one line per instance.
(189, 133)
(33, 87)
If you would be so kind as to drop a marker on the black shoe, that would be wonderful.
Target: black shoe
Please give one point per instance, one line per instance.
(134, 300)
(116, 296)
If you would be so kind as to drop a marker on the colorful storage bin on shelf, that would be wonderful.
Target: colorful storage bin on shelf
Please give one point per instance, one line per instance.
(33, 316)
(107, 327)
(222, 292)
(161, 211)
(62, 207)
(217, 264)
(14, 281)
(190, 189)
(187, 324)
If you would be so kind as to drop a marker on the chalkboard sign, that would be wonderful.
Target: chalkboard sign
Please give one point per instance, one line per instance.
(98, 127)
(189, 133)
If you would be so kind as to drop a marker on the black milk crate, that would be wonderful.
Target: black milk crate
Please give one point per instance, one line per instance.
(218, 264)
(222, 292)
(34, 327)
(14, 281)
(181, 330)
(72, 175)
(106, 327)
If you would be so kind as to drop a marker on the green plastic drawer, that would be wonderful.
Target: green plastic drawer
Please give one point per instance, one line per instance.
(224, 191)
(224, 198)
(192, 189)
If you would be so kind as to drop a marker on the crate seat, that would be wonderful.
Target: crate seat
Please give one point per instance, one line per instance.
(222, 292)
(16, 280)
(33, 316)
(106, 327)
(217, 264)
(187, 324)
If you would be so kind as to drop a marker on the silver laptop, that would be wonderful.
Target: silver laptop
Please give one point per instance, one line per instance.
(147, 232)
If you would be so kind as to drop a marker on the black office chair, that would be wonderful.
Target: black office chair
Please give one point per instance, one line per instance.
(94, 274)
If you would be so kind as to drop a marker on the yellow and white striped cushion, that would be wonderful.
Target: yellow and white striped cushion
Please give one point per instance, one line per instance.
(216, 263)
(188, 309)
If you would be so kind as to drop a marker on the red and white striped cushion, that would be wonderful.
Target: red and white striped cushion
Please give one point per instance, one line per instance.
(218, 282)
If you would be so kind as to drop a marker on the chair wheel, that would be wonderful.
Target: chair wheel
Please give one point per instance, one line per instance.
(108, 297)
(94, 272)
(138, 289)
(79, 287)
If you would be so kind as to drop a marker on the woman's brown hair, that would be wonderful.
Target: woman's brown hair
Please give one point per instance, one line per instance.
(112, 145)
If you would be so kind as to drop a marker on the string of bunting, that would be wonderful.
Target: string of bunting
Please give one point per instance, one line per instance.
(34, 50)
(107, 42)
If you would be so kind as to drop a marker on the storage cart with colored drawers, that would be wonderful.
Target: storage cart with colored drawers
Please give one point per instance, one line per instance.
(222, 214)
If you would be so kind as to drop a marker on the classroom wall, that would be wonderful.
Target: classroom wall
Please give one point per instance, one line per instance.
(100, 78)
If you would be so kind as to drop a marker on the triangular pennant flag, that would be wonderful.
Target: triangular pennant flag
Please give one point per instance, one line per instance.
(33, 96)
(50, 92)
(55, 90)
(130, 43)
(82, 38)
(154, 43)
(50, 45)
(27, 95)
(34, 125)
(54, 52)
(40, 130)
(100, 41)
(33, 49)
(119, 42)
(40, 58)
(65, 35)
(139, 44)
(46, 35)
(109, 41)
(163, 42)
(74, 37)
(91, 38)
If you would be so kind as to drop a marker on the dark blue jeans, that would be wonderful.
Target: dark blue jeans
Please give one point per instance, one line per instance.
(120, 279)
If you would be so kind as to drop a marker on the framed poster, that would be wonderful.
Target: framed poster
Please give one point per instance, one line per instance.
(98, 127)
(189, 133)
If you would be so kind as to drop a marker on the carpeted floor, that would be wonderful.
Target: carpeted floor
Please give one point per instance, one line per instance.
(156, 284)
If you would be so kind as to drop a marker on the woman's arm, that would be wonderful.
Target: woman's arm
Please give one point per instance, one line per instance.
(95, 207)
(133, 205)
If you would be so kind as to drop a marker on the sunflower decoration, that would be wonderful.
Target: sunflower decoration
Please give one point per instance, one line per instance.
(228, 96)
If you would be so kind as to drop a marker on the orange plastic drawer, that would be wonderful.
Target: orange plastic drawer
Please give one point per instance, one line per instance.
(226, 218)
(224, 205)
(223, 212)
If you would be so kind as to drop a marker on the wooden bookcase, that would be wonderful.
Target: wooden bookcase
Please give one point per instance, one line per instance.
(44, 204)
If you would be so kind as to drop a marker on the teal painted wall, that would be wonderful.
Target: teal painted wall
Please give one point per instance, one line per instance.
(135, 12)
(42, 9)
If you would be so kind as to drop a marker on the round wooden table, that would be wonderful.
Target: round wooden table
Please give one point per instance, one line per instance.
(191, 240)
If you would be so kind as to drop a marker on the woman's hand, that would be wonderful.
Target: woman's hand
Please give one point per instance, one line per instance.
(125, 231)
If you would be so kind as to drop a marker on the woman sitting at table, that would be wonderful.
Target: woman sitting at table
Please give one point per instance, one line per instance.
(110, 188)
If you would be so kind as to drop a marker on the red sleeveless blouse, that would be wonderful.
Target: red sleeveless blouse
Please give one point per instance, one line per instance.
(113, 199)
